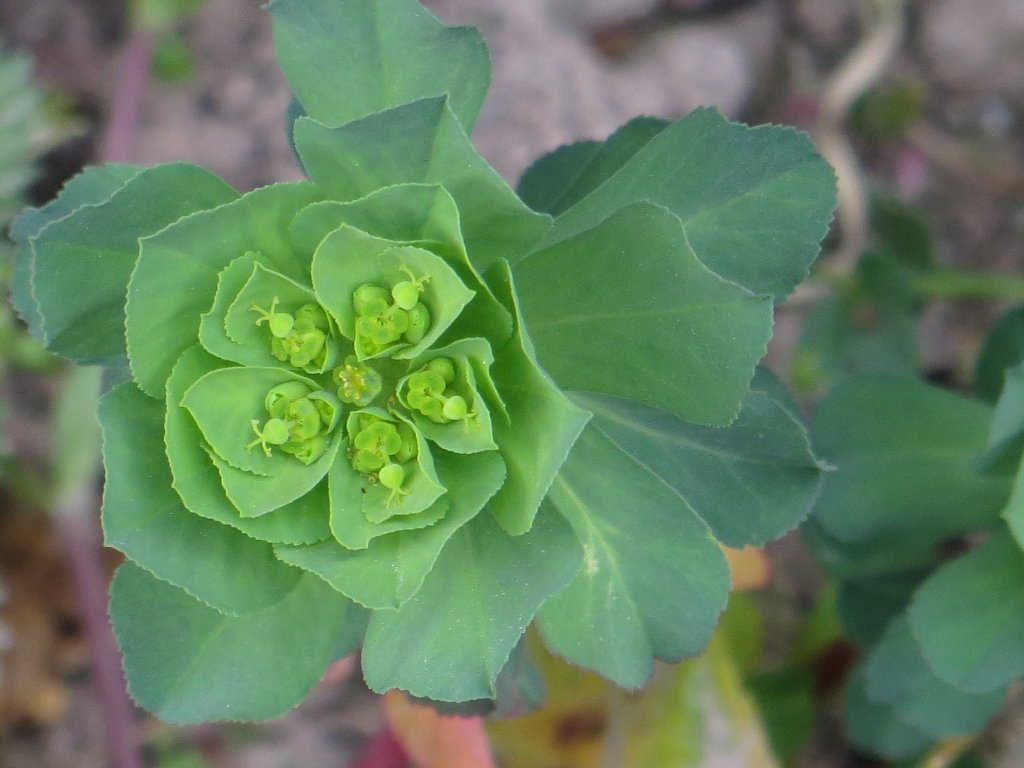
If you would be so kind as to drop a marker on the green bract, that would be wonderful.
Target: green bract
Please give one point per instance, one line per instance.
(401, 406)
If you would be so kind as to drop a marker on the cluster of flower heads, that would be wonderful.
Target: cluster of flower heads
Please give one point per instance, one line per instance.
(382, 440)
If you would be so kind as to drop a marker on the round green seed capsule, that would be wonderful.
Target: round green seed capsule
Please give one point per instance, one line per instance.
(419, 324)
(455, 408)
(280, 323)
(369, 299)
(405, 294)
(391, 476)
(444, 367)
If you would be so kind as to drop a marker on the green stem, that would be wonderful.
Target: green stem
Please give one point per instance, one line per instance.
(960, 284)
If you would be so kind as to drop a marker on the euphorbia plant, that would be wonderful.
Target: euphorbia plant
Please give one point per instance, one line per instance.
(400, 406)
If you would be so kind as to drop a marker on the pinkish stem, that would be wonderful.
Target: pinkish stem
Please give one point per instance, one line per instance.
(77, 529)
(76, 521)
(119, 137)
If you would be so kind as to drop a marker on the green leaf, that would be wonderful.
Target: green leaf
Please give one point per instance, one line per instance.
(162, 323)
(423, 487)
(656, 326)
(755, 202)
(470, 357)
(450, 641)
(74, 439)
(263, 287)
(840, 338)
(750, 482)
(349, 258)
(424, 215)
(969, 616)
(904, 456)
(92, 186)
(256, 495)
(1014, 511)
(346, 59)
(653, 579)
(392, 568)
(542, 422)
(1006, 436)
(224, 403)
(187, 663)
(422, 143)
(144, 518)
(1003, 349)
(896, 674)
(878, 728)
(867, 606)
(349, 524)
(405, 213)
(562, 178)
(197, 481)
(212, 330)
(81, 263)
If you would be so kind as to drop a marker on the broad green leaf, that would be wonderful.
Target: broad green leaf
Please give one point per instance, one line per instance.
(345, 59)
(187, 663)
(867, 606)
(450, 641)
(197, 481)
(750, 482)
(261, 289)
(1014, 511)
(897, 675)
(392, 568)
(256, 495)
(1006, 436)
(422, 486)
(404, 213)
(467, 356)
(81, 263)
(212, 331)
(542, 422)
(626, 309)
(224, 404)
(422, 143)
(755, 202)
(144, 518)
(904, 455)
(424, 215)
(653, 579)
(969, 616)
(869, 558)
(544, 184)
(562, 178)
(349, 524)
(349, 258)
(90, 187)
(840, 338)
(878, 728)
(1003, 349)
(162, 323)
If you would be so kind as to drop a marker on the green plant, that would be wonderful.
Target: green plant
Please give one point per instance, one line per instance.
(399, 406)
(922, 525)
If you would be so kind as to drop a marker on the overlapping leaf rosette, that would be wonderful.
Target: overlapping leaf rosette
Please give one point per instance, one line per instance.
(398, 406)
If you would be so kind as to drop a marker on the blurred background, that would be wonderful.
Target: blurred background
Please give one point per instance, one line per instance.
(919, 104)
